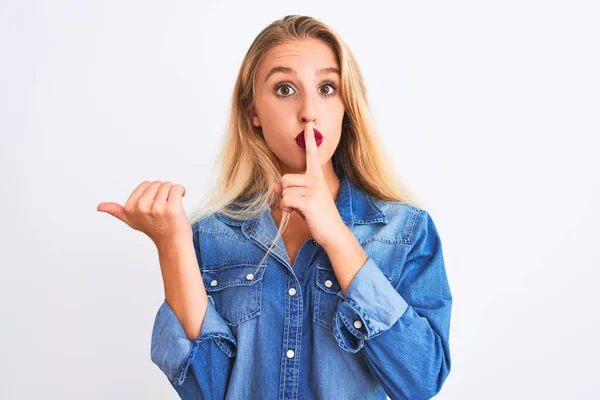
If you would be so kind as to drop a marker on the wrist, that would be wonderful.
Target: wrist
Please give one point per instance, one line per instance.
(174, 244)
(340, 239)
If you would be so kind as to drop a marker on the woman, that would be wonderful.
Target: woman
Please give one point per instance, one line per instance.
(309, 274)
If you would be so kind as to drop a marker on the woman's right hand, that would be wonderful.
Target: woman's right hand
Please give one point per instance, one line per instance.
(154, 208)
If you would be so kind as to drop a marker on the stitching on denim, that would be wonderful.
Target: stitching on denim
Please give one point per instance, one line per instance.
(208, 232)
(333, 278)
(286, 342)
(180, 377)
(341, 340)
(358, 334)
(317, 319)
(312, 256)
(297, 349)
(275, 246)
(244, 317)
(241, 281)
(370, 329)
(350, 202)
(320, 294)
(233, 263)
(379, 210)
(255, 296)
(386, 240)
(417, 213)
(229, 349)
(195, 227)
(338, 336)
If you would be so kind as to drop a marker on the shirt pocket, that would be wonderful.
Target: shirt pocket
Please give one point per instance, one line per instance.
(328, 295)
(236, 288)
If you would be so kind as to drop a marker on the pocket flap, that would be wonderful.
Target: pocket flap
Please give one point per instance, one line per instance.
(232, 273)
(327, 281)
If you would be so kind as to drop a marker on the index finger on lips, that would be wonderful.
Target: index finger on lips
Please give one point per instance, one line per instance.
(313, 163)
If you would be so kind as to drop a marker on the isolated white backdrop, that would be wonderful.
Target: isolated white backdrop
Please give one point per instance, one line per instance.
(491, 111)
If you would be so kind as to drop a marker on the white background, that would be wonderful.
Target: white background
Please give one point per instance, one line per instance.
(492, 112)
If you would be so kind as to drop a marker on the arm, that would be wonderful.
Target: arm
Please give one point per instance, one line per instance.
(188, 331)
(183, 286)
(403, 326)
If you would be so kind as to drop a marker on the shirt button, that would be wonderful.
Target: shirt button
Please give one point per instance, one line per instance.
(328, 283)
(292, 291)
(290, 354)
(313, 241)
(213, 283)
(250, 277)
(358, 324)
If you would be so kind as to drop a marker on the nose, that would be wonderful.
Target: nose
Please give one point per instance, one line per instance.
(307, 111)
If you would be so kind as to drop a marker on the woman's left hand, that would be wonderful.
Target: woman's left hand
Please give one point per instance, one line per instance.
(309, 194)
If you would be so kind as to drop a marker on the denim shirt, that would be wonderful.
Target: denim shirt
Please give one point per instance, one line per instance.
(281, 331)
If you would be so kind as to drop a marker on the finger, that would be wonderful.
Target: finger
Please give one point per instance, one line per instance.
(114, 209)
(175, 194)
(289, 180)
(300, 214)
(296, 211)
(163, 192)
(313, 162)
(301, 191)
(277, 188)
(133, 197)
(149, 193)
(292, 203)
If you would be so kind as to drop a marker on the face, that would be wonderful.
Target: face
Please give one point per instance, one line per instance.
(302, 92)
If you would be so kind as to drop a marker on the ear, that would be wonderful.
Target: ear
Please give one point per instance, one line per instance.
(255, 119)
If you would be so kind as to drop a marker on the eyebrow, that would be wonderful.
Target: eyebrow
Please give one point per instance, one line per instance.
(288, 70)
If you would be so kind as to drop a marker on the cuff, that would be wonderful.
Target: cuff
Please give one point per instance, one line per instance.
(371, 306)
(173, 352)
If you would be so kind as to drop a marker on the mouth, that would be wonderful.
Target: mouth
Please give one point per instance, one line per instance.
(300, 139)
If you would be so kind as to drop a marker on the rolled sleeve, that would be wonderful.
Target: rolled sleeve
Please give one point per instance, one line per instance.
(408, 318)
(371, 306)
(173, 352)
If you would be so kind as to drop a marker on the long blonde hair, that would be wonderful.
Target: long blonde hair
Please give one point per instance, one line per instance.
(248, 169)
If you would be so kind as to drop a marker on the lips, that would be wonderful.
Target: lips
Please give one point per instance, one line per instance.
(300, 139)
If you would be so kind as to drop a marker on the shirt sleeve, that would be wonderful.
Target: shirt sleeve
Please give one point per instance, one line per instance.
(402, 325)
(200, 368)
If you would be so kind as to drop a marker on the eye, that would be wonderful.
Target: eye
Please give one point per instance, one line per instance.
(283, 89)
(333, 87)
(282, 86)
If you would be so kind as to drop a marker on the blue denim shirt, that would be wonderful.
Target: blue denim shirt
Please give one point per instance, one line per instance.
(277, 331)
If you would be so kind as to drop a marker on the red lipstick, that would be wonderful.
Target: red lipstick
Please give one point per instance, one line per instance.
(300, 139)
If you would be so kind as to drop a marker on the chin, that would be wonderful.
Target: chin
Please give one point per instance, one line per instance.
(297, 164)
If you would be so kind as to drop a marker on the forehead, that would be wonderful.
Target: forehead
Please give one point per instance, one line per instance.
(310, 53)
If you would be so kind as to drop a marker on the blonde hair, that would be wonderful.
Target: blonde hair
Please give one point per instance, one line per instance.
(248, 169)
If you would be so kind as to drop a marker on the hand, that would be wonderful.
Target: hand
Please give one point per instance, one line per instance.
(154, 208)
(309, 195)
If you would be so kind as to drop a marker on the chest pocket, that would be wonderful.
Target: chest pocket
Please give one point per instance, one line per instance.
(236, 288)
(328, 295)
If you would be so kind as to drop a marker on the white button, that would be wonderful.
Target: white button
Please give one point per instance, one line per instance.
(328, 283)
(213, 283)
(292, 291)
(358, 324)
(290, 353)
(250, 277)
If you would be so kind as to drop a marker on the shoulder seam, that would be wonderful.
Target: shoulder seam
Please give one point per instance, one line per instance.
(417, 212)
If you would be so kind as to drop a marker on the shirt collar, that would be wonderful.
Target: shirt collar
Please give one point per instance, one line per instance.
(354, 205)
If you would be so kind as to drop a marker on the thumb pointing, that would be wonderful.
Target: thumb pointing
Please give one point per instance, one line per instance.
(114, 209)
